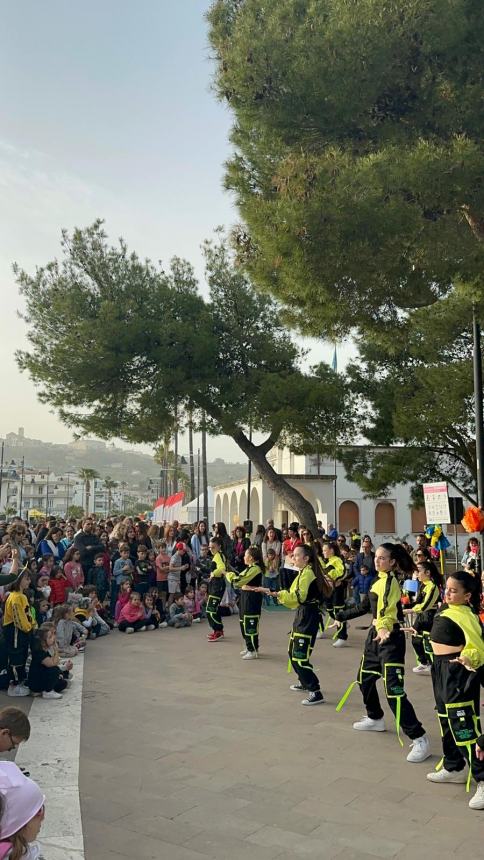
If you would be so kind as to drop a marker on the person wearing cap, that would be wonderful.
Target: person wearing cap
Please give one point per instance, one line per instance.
(289, 570)
(178, 566)
(22, 814)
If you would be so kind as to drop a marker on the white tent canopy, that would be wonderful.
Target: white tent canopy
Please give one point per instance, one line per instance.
(191, 507)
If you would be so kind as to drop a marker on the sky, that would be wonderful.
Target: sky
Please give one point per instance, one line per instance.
(107, 111)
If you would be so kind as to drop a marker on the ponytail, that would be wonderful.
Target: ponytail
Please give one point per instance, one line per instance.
(472, 584)
(433, 572)
(403, 561)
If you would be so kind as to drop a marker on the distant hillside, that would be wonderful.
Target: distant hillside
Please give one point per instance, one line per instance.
(122, 465)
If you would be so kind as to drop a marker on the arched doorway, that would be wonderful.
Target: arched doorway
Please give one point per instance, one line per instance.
(218, 509)
(243, 506)
(226, 511)
(349, 517)
(234, 512)
(255, 512)
(384, 518)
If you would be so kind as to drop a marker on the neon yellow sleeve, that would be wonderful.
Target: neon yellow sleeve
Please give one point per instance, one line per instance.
(219, 562)
(237, 580)
(390, 618)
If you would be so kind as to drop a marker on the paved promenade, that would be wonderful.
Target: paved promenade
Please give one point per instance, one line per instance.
(188, 753)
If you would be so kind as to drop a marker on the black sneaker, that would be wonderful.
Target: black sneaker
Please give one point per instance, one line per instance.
(298, 688)
(315, 698)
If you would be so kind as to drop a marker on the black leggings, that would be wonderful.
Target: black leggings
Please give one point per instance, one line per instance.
(387, 661)
(136, 625)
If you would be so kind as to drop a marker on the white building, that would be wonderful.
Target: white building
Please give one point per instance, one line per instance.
(334, 499)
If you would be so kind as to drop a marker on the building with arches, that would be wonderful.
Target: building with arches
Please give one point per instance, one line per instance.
(334, 498)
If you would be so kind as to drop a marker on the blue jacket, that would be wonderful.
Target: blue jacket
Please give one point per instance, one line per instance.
(359, 560)
(362, 584)
(44, 549)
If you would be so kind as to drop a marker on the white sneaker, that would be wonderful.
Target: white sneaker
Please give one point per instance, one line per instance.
(129, 630)
(197, 620)
(142, 630)
(51, 695)
(244, 652)
(419, 749)
(297, 688)
(422, 670)
(443, 775)
(477, 802)
(250, 655)
(340, 643)
(151, 627)
(19, 690)
(366, 724)
(164, 624)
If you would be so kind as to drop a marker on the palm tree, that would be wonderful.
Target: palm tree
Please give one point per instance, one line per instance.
(87, 475)
(109, 485)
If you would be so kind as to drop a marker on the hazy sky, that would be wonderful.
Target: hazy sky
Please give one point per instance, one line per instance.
(106, 112)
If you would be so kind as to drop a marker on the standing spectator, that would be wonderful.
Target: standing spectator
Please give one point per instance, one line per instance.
(88, 545)
(58, 586)
(270, 525)
(68, 540)
(259, 536)
(51, 544)
(73, 568)
(241, 543)
(272, 541)
(199, 538)
(289, 571)
(471, 560)
(225, 541)
(170, 539)
(17, 629)
(422, 544)
(366, 557)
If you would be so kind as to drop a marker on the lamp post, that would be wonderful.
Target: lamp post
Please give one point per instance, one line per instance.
(478, 411)
(198, 485)
(22, 487)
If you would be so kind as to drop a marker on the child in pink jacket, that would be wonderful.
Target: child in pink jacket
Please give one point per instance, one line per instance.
(132, 615)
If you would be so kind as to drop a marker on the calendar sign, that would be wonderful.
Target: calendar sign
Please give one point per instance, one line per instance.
(436, 498)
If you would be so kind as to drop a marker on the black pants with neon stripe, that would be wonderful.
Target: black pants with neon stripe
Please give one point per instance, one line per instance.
(421, 638)
(454, 685)
(387, 661)
(216, 588)
(334, 605)
(250, 608)
(301, 644)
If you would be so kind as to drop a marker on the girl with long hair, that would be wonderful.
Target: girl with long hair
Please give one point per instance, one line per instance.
(305, 595)
(250, 600)
(333, 566)
(458, 646)
(428, 597)
(384, 654)
(216, 589)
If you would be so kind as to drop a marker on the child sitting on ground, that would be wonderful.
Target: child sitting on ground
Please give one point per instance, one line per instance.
(179, 617)
(123, 568)
(158, 604)
(103, 627)
(132, 615)
(70, 635)
(45, 675)
(152, 616)
(123, 598)
(43, 611)
(201, 595)
(191, 604)
(22, 805)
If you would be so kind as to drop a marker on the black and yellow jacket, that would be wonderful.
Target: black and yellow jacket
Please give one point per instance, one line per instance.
(428, 597)
(250, 576)
(303, 591)
(17, 612)
(469, 623)
(385, 601)
(334, 567)
(216, 583)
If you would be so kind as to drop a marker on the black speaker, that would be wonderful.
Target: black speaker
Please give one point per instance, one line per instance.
(456, 505)
(249, 526)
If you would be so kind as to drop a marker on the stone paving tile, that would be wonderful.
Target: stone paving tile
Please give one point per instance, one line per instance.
(214, 758)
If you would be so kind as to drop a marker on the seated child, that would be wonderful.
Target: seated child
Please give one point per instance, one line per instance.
(85, 615)
(201, 595)
(123, 598)
(45, 676)
(43, 611)
(191, 604)
(123, 568)
(142, 571)
(158, 604)
(70, 635)
(47, 565)
(132, 615)
(22, 805)
(152, 616)
(90, 592)
(58, 586)
(179, 617)
(42, 588)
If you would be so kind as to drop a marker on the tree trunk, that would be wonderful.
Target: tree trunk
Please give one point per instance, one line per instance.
(292, 497)
(204, 472)
(190, 457)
